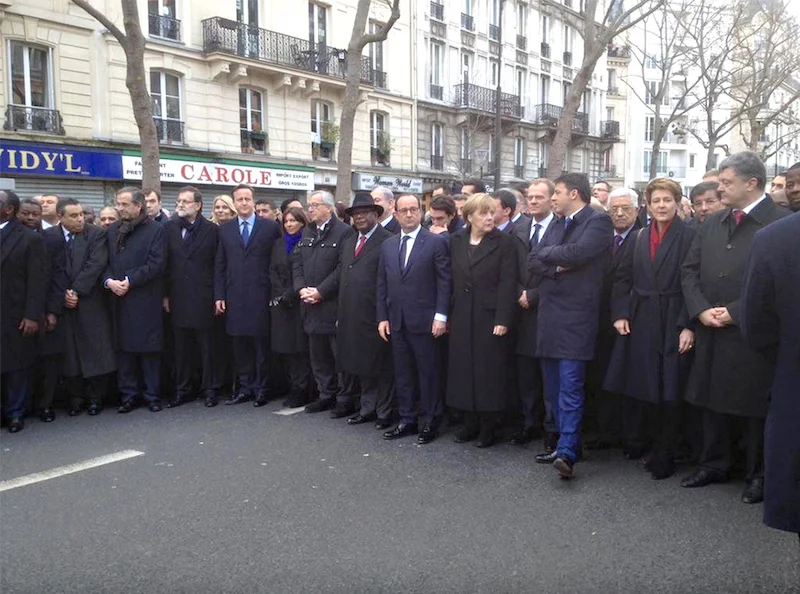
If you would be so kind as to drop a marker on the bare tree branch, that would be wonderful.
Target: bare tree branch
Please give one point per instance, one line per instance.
(102, 19)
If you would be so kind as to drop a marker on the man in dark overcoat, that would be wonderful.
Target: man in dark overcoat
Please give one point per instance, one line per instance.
(729, 381)
(85, 319)
(317, 283)
(572, 257)
(135, 277)
(242, 292)
(771, 326)
(23, 289)
(359, 349)
(191, 253)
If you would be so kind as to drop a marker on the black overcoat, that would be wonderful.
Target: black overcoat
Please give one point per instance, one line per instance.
(52, 343)
(727, 375)
(484, 296)
(527, 319)
(360, 349)
(771, 324)
(241, 276)
(138, 315)
(89, 342)
(315, 266)
(190, 274)
(287, 336)
(645, 364)
(23, 291)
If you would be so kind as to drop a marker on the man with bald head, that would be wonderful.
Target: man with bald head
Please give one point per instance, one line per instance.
(793, 187)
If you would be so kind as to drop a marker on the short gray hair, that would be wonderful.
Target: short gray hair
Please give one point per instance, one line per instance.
(632, 195)
(388, 195)
(745, 165)
(327, 197)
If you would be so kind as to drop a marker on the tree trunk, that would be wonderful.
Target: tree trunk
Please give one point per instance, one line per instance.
(710, 156)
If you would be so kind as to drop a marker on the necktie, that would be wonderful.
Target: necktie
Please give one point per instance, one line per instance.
(567, 223)
(361, 241)
(618, 239)
(69, 238)
(403, 248)
(245, 232)
(738, 215)
(535, 237)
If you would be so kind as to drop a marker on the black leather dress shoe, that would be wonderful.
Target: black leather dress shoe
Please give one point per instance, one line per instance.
(48, 415)
(563, 467)
(155, 407)
(485, 439)
(383, 424)
(94, 408)
(465, 434)
(341, 411)
(550, 442)
(175, 402)
(296, 401)
(211, 401)
(126, 406)
(319, 405)
(237, 399)
(546, 457)
(702, 477)
(753, 491)
(74, 412)
(525, 435)
(261, 400)
(427, 435)
(360, 419)
(16, 425)
(402, 430)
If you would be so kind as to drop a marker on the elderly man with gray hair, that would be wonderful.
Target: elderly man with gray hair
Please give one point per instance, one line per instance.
(729, 381)
(384, 198)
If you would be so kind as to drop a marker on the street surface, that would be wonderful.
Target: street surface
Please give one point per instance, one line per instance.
(239, 500)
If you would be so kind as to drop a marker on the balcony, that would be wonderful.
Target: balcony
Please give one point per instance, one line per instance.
(164, 27)
(545, 50)
(567, 59)
(380, 157)
(169, 131)
(469, 96)
(609, 129)
(613, 90)
(467, 22)
(522, 42)
(519, 171)
(666, 171)
(610, 171)
(549, 115)
(494, 32)
(436, 92)
(34, 119)
(466, 165)
(437, 11)
(254, 142)
(239, 39)
(580, 124)
(437, 162)
(672, 138)
(618, 51)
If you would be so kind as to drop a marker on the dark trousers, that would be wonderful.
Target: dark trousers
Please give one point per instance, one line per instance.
(719, 431)
(608, 415)
(377, 396)
(251, 360)
(416, 372)
(133, 366)
(49, 367)
(531, 388)
(222, 362)
(563, 386)
(322, 352)
(16, 385)
(194, 357)
(299, 371)
(481, 421)
(89, 389)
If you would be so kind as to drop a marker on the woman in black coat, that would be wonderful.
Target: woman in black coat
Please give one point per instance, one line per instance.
(485, 272)
(651, 357)
(287, 335)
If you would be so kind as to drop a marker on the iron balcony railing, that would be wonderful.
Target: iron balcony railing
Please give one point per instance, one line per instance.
(666, 170)
(609, 129)
(580, 123)
(169, 131)
(519, 171)
(610, 171)
(621, 51)
(522, 42)
(254, 142)
(466, 165)
(545, 50)
(467, 22)
(549, 115)
(471, 96)
(437, 11)
(239, 39)
(164, 26)
(437, 92)
(36, 119)
(494, 32)
(613, 90)
(437, 162)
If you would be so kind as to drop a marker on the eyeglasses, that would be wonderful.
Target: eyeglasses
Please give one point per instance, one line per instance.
(623, 209)
(184, 202)
(315, 205)
(708, 202)
(410, 210)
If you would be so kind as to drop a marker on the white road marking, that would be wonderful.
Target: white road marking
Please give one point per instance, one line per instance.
(38, 477)
(285, 412)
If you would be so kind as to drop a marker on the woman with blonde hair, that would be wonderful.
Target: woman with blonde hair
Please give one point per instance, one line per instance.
(223, 210)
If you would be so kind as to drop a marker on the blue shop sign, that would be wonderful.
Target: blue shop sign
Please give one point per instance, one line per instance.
(18, 158)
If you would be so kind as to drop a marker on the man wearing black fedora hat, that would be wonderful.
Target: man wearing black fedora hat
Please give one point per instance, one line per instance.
(360, 351)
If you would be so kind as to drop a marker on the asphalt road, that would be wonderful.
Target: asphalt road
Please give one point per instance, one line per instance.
(237, 499)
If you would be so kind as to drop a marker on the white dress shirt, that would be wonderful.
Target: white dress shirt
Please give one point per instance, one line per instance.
(543, 225)
(749, 208)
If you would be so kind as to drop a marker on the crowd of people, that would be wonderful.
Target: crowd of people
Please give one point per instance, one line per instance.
(511, 314)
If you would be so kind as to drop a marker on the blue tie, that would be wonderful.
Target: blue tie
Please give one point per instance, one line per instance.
(245, 232)
(403, 248)
(535, 237)
(567, 223)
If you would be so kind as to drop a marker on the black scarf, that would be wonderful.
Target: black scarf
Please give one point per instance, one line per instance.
(191, 228)
(127, 227)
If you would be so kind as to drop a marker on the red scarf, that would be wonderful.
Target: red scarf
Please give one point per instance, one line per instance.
(656, 238)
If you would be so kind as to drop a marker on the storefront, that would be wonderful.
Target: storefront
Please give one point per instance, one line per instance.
(368, 181)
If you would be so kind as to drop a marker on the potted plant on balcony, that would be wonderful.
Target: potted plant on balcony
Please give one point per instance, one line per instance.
(330, 135)
(381, 152)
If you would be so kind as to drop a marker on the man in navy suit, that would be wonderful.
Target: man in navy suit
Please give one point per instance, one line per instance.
(242, 292)
(414, 288)
(572, 257)
(191, 252)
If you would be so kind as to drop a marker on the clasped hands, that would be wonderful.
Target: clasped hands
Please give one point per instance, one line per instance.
(119, 288)
(715, 317)
(310, 295)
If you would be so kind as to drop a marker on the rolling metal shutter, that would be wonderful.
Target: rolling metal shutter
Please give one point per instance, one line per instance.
(89, 192)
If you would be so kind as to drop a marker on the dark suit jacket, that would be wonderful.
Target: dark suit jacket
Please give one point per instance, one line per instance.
(23, 291)
(527, 326)
(241, 276)
(138, 315)
(52, 343)
(409, 300)
(573, 264)
(190, 274)
(770, 321)
(393, 226)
